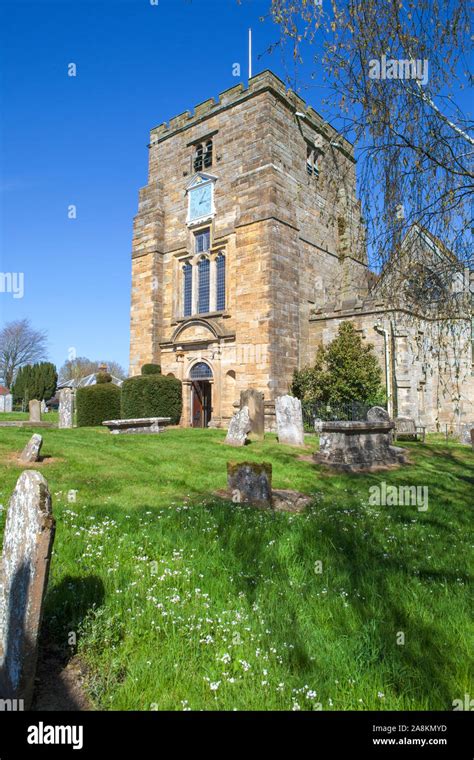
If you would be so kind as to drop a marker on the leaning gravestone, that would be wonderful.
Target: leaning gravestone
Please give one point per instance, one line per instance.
(35, 411)
(9, 402)
(238, 428)
(27, 545)
(378, 414)
(32, 449)
(66, 408)
(254, 401)
(289, 418)
(250, 483)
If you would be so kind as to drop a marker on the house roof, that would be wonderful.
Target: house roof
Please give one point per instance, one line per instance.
(86, 381)
(4, 391)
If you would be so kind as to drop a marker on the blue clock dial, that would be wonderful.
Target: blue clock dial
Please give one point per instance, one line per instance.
(200, 202)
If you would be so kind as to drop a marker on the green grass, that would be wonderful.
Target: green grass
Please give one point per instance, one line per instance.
(180, 600)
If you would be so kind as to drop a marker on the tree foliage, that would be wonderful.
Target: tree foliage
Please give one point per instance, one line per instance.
(414, 143)
(35, 381)
(344, 371)
(20, 344)
(81, 366)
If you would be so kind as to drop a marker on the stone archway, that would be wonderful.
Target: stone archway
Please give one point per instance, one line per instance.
(201, 378)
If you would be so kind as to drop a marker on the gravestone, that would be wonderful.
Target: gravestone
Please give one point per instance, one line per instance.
(289, 419)
(31, 452)
(2, 403)
(378, 414)
(44, 408)
(250, 483)
(9, 402)
(35, 411)
(463, 433)
(253, 400)
(27, 545)
(66, 408)
(238, 428)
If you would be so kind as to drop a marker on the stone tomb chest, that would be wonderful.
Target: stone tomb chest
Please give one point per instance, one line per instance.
(354, 446)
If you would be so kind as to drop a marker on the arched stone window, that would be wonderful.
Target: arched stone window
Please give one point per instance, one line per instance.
(220, 282)
(203, 285)
(187, 289)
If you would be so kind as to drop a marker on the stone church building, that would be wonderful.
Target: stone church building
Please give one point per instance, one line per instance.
(248, 251)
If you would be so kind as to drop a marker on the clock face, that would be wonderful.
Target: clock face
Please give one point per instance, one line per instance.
(200, 202)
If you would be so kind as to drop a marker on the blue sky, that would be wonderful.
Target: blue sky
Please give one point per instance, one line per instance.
(82, 141)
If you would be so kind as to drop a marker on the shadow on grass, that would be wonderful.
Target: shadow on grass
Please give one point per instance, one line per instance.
(386, 597)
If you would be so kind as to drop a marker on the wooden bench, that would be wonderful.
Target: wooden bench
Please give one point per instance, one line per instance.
(406, 427)
(138, 425)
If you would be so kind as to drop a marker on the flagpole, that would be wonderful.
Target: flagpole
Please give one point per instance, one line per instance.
(250, 53)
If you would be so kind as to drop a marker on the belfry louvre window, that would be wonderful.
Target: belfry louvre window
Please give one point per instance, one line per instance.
(202, 156)
(202, 241)
(187, 289)
(204, 281)
(220, 282)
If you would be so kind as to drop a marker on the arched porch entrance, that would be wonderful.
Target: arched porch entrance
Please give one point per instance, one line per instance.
(201, 394)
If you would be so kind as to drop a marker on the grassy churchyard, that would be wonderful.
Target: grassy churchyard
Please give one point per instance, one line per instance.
(179, 600)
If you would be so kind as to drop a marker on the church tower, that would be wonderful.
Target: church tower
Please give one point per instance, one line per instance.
(249, 221)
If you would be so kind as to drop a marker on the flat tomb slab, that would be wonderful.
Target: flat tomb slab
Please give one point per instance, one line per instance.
(139, 425)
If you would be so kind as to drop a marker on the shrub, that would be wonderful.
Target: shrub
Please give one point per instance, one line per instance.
(345, 371)
(152, 396)
(97, 403)
(103, 377)
(151, 369)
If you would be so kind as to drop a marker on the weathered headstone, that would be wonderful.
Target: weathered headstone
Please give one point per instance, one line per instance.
(463, 433)
(378, 414)
(35, 411)
(254, 401)
(9, 402)
(27, 545)
(66, 408)
(31, 452)
(44, 408)
(2, 403)
(250, 483)
(318, 425)
(238, 428)
(289, 418)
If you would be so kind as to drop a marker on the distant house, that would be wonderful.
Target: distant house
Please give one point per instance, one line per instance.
(4, 391)
(84, 382)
